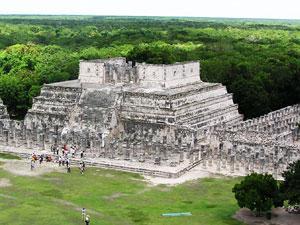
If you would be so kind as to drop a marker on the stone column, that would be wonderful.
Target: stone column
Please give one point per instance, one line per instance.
(252, 159)
(218, 166)
(28, 138)
(134, 149)
(42, 141)
(142, 149)
(164, 152)
(275, 171)
(196, 153)
(181, 154)
(237, 163)
(13, 130)
(204, 158)
(247, 164)
(191, 157)
(127, 152)
(262, 165)
(232, 159)
(16, 137)
(224, 160)
(1, 129)
(112, 150)
(6, 137)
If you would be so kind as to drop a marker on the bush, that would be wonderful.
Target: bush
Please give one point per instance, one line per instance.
(258, 192)
(290, 187)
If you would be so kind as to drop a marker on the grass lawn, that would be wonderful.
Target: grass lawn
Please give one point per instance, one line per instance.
(8, 156)
(113, 197)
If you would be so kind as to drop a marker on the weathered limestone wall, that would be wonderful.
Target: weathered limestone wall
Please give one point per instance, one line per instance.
(266, 144)
(3, 111)
(154, 115)
(114, 70)
(94, 118)
(276, 122)
(201, 104)
(168, 76)
(91, 72)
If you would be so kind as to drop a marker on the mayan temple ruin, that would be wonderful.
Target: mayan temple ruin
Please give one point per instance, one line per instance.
(160, 120)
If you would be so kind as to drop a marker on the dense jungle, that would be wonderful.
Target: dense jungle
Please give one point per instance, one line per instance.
(257, 60)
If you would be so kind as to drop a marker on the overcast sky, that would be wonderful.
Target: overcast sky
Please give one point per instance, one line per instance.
(282, 9)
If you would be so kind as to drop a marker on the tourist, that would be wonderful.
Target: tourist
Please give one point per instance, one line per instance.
(33, 157)
(32, 165)
(41, 158)
(87, 220)
(81, 169)
(67, 162)
(81, 154)
(83, 213)
(68, 168)
(83, 165)
(59, 160)
(48, 158)
(73, 150)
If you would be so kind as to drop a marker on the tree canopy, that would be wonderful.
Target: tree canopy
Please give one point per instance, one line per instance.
(290, 187)
(258, 192)
(257, 60)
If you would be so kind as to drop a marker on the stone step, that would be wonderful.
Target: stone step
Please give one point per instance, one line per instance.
(213, 118)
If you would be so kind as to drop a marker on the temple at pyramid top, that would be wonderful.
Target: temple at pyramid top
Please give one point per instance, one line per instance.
(117, 70)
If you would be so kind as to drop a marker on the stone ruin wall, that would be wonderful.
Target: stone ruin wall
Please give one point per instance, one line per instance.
(192, 123)
(115, 70)
(168, 76)
(264, 144)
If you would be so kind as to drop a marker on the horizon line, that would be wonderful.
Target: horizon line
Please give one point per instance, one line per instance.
(157, 16)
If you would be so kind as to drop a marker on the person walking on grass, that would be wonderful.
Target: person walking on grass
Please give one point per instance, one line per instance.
(41, 158)
(87, 220)
(83, 211)
(83, 165)
(67, 162)
(31, 165)
(68, 168)
(59, 160)
(81, 169)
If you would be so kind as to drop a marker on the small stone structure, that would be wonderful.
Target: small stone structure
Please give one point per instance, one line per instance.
(154, 119)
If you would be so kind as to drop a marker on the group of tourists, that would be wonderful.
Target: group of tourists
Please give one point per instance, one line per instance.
(64, 150)
(65, 153)
(65, 161)
(39, 158)
(63, 157)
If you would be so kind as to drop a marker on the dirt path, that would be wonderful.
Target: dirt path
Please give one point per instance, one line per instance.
(193, 174)
(4, 182)
(279, 217)
(22, 168)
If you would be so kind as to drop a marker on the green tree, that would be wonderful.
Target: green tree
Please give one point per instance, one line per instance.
(257, 192)
(290, 187)
(14, 95)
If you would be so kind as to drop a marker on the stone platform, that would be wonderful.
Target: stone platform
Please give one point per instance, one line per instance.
(121, 165)
(159, 120)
